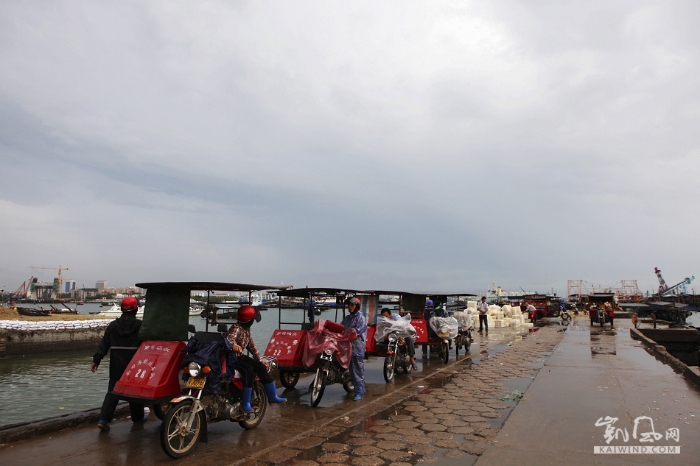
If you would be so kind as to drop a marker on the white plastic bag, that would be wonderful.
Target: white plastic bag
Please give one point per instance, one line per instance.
(448, 323)
(402, 327)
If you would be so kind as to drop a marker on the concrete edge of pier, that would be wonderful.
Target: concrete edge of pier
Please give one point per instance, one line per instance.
(27, 430)
(690, 373)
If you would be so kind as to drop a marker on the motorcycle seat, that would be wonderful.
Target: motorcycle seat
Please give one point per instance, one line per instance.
(206, 337)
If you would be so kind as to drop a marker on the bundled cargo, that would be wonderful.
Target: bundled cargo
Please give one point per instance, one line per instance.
(446, 325)
(402, 327)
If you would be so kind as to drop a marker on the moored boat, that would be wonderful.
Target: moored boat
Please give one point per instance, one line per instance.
(28, 311)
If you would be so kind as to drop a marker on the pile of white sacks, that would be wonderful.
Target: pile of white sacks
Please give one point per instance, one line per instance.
(53, 324)
(500, 317)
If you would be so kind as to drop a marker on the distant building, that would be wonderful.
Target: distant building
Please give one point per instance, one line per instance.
(68, 286)
(84, 293)
(101, 285)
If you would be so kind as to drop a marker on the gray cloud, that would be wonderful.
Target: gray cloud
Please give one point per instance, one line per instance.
(427, 147)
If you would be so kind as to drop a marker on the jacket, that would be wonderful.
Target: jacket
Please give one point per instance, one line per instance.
(122, 338)
(358, 322)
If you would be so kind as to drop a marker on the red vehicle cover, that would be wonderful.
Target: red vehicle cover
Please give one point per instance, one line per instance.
(321, 338)
(288, 347)
(153, 371)
(421, 327)
(370, 344)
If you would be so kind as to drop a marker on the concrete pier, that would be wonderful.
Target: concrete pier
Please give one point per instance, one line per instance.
(532, 398)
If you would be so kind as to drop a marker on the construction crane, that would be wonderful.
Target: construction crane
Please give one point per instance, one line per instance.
(59, 268)
(679, 287)
(23, 289)
(665, 290)
(662, 283)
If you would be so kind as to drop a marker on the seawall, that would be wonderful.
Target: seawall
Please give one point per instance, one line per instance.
(16, 339)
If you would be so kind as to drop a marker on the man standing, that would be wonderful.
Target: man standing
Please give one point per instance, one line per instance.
(121, 338)
(356, 321)
(483, 315)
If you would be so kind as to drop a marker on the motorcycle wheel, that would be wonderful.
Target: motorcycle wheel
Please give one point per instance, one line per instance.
(318, 386)
(289, 379)
(349, 387)
(389, 368)
(258, 401)
(159, 410)
(176, 440)
(611, 324)
(443, 352)
(458, 345)
(467, 345)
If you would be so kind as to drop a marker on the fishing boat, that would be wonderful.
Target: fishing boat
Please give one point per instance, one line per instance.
(116, 311)
(28, 311)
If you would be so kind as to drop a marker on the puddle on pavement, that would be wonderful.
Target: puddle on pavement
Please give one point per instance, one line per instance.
(603, 342)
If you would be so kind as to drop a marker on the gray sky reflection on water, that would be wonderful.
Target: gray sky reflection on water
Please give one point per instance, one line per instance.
(363, 145)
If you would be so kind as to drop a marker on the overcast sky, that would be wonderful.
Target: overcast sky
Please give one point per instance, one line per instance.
(403, 145)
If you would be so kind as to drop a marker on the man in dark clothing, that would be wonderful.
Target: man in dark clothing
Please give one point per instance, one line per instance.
(121, 338)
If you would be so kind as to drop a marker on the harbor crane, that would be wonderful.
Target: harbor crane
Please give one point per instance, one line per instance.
(59, 268)
(23, 289)
(665, 290)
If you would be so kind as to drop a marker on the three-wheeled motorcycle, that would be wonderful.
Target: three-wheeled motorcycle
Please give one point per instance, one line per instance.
(392, 342)
(289, 345)
(195, 381)
(601, 308)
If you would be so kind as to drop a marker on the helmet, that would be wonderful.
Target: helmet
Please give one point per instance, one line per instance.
(354, 301)
(429, 302)
(130, 304)
(248, 313)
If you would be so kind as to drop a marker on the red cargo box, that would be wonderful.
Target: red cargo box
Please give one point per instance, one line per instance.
(288, 347)
(421, 327)
(153, 371)
(370, 344)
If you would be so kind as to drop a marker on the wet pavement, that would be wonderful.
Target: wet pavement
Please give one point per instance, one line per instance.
(289, 430)
(594, 377)
(443, 414)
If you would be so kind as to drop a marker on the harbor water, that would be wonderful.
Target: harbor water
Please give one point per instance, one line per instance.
(40, 386)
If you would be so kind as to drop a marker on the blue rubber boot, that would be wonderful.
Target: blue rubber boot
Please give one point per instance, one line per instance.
(271, 392)
(245, 400)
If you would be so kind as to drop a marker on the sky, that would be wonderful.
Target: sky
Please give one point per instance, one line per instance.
(417, 146)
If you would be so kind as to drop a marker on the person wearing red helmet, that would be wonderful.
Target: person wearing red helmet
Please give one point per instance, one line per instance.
(240, 339)
(121, 339)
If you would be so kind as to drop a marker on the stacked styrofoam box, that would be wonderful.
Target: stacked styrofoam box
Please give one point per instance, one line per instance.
(495, 316)
(507, 310)
(528, 325)
(475, 313)
(495, 312)
(507, 321)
